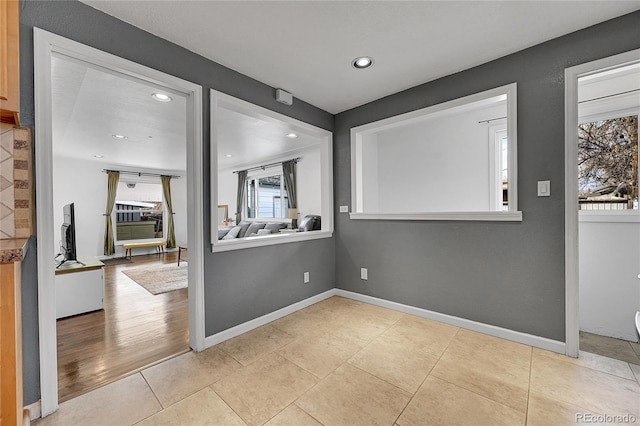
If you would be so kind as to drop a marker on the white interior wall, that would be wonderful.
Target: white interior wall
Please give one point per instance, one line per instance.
(440, 164)
(308, 180)
(85, 184)
(609, 287)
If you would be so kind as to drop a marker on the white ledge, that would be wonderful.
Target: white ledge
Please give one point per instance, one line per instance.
(515, 216)
(630, 216)
(268, 240)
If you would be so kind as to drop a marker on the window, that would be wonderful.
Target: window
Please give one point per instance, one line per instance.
(139, 211)
(608, 164)
(266, 197)
(452, 161)
(246, 137)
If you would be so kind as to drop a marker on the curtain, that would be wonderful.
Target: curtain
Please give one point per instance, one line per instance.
(289, 174)
(242, 183)
(112, 189)
(166, 189)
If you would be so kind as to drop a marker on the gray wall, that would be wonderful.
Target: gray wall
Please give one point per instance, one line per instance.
(236, 290)
(30, 338)
(506, 274)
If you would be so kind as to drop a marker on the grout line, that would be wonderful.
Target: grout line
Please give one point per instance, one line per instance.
(526, 411)
(227, 404)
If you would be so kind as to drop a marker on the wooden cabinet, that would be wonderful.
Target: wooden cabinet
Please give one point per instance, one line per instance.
(11, 404)
(9, 61)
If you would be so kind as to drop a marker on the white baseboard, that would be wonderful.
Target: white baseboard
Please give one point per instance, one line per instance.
(492, 330)
(35, 410)
(265, 319)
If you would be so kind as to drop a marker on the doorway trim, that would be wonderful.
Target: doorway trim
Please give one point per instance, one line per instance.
(571, 222)
(45, 45)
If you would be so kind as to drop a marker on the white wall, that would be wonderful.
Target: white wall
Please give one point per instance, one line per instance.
(308, 176)
(440, 164)
(85, 184)
(609, 285)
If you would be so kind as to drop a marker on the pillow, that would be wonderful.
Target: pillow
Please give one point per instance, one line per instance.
(275, 228)
(222, 232)
(233, 233)
(264, 232)
(243, 228)
(254, 227)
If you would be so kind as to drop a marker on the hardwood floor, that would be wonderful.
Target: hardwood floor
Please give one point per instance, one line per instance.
(134, 330)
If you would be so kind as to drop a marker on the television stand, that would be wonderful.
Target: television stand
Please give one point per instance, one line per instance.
(79, 287)
(68, 260)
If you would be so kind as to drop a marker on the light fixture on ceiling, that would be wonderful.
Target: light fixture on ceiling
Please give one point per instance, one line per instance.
(362, 62)
(291, 135)
(98, 156)
(228, 155)
(119, 136)
(161, 97)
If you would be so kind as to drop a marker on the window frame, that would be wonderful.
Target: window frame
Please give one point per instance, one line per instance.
(325, 137)
(114, 216)
(358, 133)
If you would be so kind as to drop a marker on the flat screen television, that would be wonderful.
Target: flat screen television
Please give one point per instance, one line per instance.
(68, 235)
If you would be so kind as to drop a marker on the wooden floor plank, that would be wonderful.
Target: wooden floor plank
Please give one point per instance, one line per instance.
(134, 330)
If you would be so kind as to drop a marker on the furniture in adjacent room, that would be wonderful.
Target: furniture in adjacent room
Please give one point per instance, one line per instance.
(158, 245)
(79, 287)
(140, 230)
(181, 246)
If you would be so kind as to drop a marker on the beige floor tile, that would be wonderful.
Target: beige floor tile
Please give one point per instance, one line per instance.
(124, 402)
(202, 408)
(431, 336)
(442, 403)
(395, 361)
(609, 347)
(263, 389)
(350, 396)
(186, 374)
(495, 368)
(544, 411)
(293, 416)
(593, 361)
(636, 371)
(320, 354)
(304, 323)
(592, 390)
(256, 343)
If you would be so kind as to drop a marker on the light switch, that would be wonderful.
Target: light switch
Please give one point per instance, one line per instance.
(544, 188)
(344, 209)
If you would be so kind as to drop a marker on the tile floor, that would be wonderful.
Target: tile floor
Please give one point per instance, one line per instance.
(342, 362)
(610, 347)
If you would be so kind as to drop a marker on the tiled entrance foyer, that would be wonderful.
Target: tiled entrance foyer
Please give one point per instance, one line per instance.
(342, 362)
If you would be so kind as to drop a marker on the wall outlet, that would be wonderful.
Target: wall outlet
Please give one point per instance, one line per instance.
(364, 275)
(344, 209)
(306, 277)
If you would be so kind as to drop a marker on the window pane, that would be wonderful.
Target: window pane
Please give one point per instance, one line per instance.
(251, 198)
(269, 197)
(139, 212)
(608, 164)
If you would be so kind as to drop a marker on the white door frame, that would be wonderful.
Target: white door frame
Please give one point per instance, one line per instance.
(46, 44)
(571, 75)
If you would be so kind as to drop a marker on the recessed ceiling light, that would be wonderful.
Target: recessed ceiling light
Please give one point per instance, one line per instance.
(119, 136)
(362, 62)
(228, 155)
(161, 97)
(99, 156)
(292, 135)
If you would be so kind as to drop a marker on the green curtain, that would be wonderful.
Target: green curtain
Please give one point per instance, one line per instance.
(166, 189)
(289, 174)
(112, 189)
(242, 183)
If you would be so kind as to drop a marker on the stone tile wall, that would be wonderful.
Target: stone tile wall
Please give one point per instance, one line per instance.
(16, 184)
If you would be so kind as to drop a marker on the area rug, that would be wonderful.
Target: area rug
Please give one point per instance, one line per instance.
(160, 279)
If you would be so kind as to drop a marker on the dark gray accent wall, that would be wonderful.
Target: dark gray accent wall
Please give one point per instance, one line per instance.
(30, 337)
(239, 286)
(509, 275)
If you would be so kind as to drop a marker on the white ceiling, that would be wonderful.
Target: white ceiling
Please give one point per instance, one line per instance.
(306, 47)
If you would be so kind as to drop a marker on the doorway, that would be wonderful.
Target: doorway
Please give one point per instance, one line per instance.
(47, 46)
(602, 220)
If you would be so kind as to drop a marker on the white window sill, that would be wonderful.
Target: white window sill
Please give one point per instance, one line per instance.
(468, 216)
(268, 240)
(622, 216)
